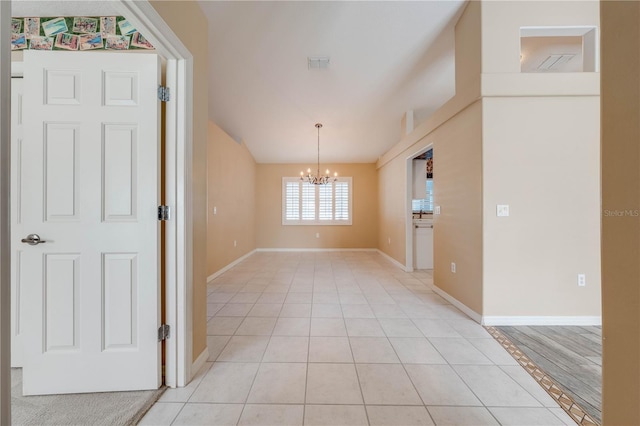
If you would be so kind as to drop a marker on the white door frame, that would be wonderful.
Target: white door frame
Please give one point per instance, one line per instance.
(178, 161)
(409, 209)
(5, 222)
(178, 241)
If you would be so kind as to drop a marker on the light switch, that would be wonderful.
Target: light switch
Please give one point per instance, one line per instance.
(215, 210)
(436, 210)
(502, 210)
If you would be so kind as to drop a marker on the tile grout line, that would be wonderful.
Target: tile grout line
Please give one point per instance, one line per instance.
(246, 400)
(474, 393)
(411, 320)
(306, 377)
(355, 367)
(177, 415)
(405, 368)
(411, 380)
(357, 279)
(352, 404)
(451, 367)
(256, 375)
(572, 408)
(244, 405)
(213, 363)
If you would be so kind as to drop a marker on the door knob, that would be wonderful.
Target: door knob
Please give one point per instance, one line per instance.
(33, 240)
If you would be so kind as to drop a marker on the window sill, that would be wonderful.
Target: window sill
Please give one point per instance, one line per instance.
(317, 223)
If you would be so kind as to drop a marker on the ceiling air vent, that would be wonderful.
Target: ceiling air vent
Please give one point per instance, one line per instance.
(318, 62)
(553, 62)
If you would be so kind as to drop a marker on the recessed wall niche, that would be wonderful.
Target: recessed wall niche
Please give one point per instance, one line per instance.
(558, 49)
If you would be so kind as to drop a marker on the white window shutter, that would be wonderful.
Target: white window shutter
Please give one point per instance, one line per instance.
(307, 204)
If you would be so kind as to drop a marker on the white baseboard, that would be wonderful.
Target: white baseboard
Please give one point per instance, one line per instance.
(199, 362)
(458, 304)
(392, 260)
(541, 320)
(313, 249)
(229, 266)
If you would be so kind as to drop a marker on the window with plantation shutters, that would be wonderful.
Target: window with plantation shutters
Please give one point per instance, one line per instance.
(342, 199)
(307, 204)
(291, 201)
(325, 205)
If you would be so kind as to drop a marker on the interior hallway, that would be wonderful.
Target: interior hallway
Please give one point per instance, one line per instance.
(347, 338)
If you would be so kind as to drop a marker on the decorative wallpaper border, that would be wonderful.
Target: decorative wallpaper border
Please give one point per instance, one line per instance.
(76, 33)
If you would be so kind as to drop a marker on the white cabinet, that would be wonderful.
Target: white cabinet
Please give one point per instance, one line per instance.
(419, 179)
(423, 246)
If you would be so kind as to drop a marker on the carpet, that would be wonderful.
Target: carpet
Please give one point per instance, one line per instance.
(105, 408)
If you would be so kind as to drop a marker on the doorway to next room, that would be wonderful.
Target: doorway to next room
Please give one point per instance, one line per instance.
(420, 190)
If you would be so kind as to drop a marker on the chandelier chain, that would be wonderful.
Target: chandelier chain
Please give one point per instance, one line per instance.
(318, 179)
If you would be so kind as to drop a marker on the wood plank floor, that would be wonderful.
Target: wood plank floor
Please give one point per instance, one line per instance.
(572, 355)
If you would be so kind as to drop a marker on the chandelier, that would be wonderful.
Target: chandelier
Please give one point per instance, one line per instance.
(318, 179)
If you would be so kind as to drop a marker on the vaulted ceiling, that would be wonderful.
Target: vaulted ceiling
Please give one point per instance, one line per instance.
(386, 58)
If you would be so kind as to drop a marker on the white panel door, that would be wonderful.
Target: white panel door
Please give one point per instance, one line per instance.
(16, 222)
(90, 190)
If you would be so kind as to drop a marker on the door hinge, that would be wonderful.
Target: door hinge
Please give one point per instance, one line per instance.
(164, 212)
(164, 94)
(163, 332)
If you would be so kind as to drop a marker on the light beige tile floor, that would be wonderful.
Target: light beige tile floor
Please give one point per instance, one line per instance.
(347, 338)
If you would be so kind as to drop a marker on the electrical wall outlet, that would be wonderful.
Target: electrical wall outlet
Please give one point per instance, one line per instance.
(453, 267)
(582, 280)
(317, 235)
(436, 210)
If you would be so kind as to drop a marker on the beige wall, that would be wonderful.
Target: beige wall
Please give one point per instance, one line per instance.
(392, 204)
(468, 53)
(621, 191)
(231, 182)
(492, 151)
(457, 185)
(183, 17)
(271, 233)
(501, 22)
(455, 132)
(500, 35)
(541, 157)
